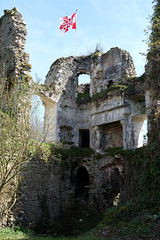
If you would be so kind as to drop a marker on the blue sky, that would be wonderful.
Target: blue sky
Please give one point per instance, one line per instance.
(110, 23)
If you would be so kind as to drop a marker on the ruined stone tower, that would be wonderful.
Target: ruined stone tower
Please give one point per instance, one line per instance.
(14, 62)
(105, 113)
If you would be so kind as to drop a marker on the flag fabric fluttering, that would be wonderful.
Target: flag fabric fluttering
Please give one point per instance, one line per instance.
(68, 22)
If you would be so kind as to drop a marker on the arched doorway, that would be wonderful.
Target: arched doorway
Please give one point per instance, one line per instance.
(82, 185)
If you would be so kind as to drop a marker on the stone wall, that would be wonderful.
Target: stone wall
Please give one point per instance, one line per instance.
(51, 186)
(40, 185)
(114, 118)
(112, 135)
(14, 62)
(108, 72)
(115, 66)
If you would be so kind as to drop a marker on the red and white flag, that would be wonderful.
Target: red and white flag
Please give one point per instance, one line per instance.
(68, 22)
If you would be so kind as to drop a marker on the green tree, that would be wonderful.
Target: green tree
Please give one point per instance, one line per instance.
(152, 166)
(153, 72)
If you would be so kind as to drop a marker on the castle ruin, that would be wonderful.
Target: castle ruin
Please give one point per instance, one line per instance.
(108, 112)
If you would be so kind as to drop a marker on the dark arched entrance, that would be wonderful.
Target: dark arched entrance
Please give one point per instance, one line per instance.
(82, 185)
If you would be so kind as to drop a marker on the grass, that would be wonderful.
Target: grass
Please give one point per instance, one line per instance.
(137, 219)
(8, 234)
(79, 220)
(75, 225)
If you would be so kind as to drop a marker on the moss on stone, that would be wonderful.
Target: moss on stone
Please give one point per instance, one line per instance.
(96, 54)
(72, 152)
(104, 94)
(11, 12)
(83, 98)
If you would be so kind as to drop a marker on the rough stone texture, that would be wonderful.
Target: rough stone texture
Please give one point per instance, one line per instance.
(84, 88)
(117, 66)
(111, 135)
(41, 179)
(114, 120)
(55, 183)
(106, 72)
(14, 62)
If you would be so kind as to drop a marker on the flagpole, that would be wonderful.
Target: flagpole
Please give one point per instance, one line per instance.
(76, 37)
(75, 43)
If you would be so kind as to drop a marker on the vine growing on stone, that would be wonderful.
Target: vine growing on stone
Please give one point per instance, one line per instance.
(152, 166)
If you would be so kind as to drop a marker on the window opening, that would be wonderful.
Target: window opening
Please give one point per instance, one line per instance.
(145, 131)
(140, 131)
(83, 79)
(83, 88)
(84, 138)
(37, 118)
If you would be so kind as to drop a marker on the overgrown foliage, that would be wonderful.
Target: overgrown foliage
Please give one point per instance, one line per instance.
(137, 219)
(79, 220)
(83, 98)
(22, 233)
(104, 94)
(14, 128)
(72, 152)
(152, 166)
(153, 70)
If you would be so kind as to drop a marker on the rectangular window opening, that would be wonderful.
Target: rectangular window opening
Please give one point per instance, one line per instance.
(84, 138)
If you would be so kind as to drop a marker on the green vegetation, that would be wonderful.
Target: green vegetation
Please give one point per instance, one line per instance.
(83, 98)
(104, 94)
(96, 54)
(73, 152)
(44, 151)
(76, 225)
(10, 12)
(137, 219)
(14, 140)
(8, 234)
(127, 88)
(113, 151)
(78, 221)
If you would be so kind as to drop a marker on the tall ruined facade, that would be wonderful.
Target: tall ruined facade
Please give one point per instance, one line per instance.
(107, 113)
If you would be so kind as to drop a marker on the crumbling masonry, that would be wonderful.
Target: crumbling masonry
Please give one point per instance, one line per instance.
(107, 113)
(112, 114)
